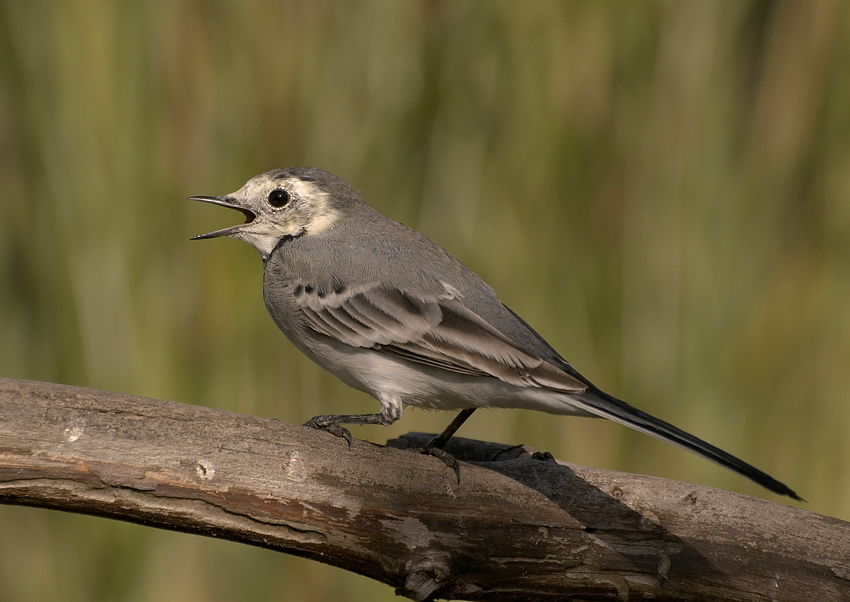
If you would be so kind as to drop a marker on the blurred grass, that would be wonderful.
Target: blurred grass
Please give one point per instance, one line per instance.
(662, 189)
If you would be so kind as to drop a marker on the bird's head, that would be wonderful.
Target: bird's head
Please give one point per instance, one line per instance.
(285, 203)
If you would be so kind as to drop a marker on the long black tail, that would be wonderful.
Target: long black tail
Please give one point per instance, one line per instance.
(603, 405)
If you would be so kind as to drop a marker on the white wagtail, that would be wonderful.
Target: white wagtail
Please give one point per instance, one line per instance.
(393, 314)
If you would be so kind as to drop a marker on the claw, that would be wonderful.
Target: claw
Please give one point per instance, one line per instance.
(333, 429)
(339, 431)
(447, 458)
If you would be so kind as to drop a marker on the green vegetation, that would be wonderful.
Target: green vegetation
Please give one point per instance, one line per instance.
(661, 189)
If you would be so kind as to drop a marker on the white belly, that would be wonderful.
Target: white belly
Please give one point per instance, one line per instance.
(393, 381)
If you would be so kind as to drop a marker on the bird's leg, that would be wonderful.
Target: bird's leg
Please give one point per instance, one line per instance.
(439, 442)
(435, 446)
(390, 412)
(330, 423)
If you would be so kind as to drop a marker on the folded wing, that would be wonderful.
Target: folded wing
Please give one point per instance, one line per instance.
(436, 330)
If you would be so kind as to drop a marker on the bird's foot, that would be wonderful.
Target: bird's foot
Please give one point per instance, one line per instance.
(325, 423)
(447, 458)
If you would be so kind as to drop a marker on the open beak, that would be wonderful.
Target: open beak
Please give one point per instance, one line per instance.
(224, 202)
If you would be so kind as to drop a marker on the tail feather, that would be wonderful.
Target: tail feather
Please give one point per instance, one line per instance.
(603, 405)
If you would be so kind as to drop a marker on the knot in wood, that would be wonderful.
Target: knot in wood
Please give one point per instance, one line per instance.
(426, 575)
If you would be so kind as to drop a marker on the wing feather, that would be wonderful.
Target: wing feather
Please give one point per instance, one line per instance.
(437, 331)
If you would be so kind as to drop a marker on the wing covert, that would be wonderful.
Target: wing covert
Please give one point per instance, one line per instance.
(435, 330)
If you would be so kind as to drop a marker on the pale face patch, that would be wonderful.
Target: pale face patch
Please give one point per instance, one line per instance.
(264, 235)
(309, 212)
(323, 215)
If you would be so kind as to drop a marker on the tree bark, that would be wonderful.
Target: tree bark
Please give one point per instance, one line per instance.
(517, 527)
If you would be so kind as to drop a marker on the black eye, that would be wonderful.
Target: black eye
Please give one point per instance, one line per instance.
(278, 197)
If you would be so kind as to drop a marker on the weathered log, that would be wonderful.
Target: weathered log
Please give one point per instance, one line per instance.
(517, 527)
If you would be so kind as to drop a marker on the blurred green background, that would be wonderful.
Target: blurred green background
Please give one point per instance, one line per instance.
(662, 189)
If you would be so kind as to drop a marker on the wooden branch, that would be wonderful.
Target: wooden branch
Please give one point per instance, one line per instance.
(516, 528)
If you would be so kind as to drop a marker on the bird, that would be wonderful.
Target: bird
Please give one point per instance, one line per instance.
(393, 314)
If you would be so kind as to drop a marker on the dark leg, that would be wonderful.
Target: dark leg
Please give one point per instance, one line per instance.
(440, 441)
(331, 423)
(435, 446)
